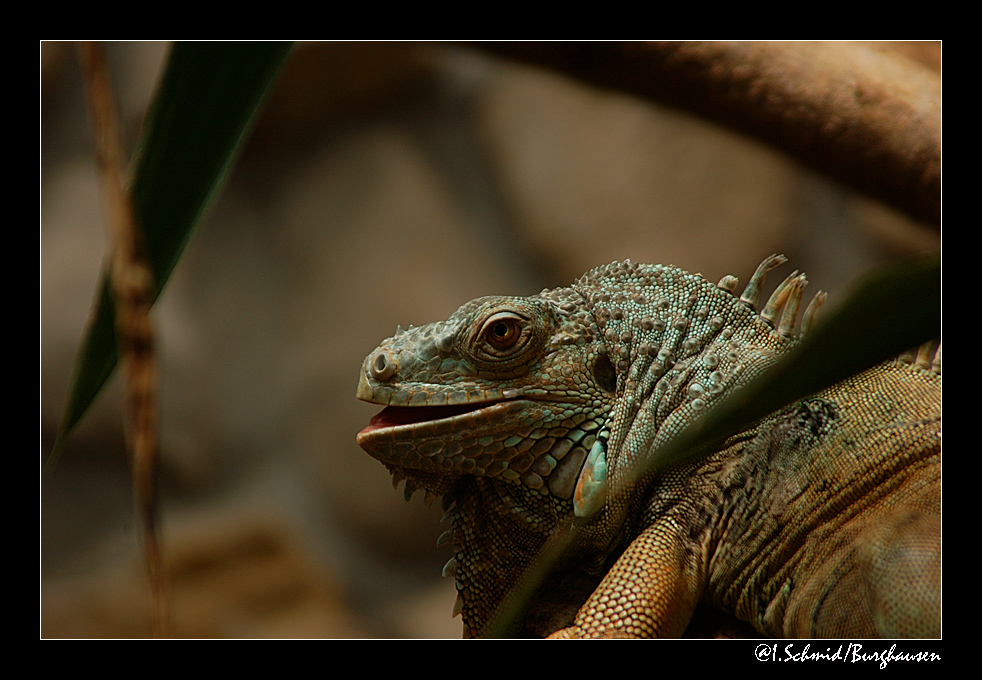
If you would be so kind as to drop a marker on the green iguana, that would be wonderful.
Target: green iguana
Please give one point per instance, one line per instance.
(535, 416)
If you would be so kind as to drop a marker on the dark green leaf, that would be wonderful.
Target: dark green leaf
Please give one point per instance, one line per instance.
(202, 111)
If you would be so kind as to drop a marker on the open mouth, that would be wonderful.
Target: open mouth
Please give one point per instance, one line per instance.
(397, 422)
(394, 416)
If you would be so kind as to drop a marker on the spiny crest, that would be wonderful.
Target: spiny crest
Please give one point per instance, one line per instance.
(629, 281)
(631, 301)
(926, 357)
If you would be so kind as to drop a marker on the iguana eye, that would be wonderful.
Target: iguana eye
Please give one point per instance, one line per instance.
(504, 332)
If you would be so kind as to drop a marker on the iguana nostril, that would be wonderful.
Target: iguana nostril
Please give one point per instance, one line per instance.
(382, 367)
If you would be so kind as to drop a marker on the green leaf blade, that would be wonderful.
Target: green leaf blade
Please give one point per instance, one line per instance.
(204, 107)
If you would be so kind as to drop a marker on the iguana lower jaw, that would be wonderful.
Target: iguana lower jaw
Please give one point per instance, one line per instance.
(433, 446)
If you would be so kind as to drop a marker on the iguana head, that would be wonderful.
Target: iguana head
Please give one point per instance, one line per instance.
(496, 410)
(528, 411)
(507, 388)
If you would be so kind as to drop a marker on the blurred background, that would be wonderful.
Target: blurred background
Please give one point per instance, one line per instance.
(386, 183)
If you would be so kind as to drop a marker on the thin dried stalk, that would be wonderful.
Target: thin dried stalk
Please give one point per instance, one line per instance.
(131, 283)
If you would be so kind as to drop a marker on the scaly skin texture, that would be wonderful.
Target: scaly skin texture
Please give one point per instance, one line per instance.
(537, 416)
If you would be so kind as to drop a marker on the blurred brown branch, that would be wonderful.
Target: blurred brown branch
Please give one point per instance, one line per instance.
(863, 114)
